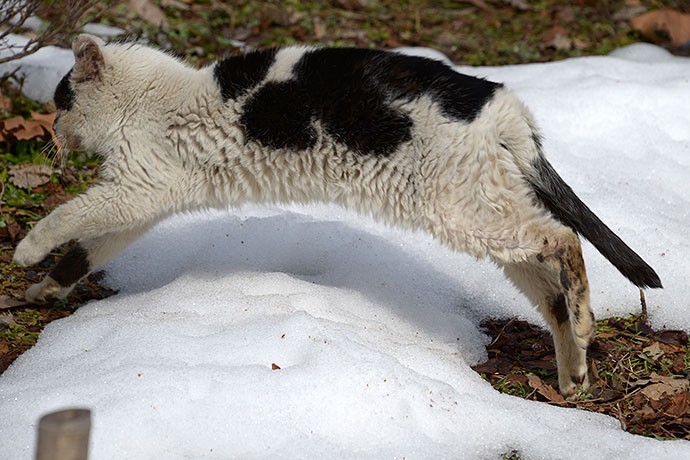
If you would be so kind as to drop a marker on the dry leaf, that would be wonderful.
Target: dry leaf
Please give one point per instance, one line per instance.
(628, 12)
(149, 11)
(519, 4)
(661, 25)
(580, 44)
(28, 130)
(174, 4)
(30, 176)
(664, 385)
(679, 405)
(275, 367)
(13, 230)
(565, 14)
(44, 119)
(21, 128)
(354, 4)
(13, 123)
(480, 3)
(653, 351)
(557, 38)
(10, 302)
(546, 391)
(319, 30)
(678, 338)
(5, 103)
(6, 320)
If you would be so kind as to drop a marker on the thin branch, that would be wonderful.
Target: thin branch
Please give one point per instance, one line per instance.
(73, 15)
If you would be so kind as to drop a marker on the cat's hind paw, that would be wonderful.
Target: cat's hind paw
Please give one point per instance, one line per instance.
(46, 291)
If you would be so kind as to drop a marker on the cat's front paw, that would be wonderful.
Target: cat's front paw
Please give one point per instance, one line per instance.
(46, 291)
(29, 252)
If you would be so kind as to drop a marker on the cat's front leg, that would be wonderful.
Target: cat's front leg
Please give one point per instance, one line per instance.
(80, 260)
(103, 209)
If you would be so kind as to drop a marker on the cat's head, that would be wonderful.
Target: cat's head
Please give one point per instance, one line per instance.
(111, 95)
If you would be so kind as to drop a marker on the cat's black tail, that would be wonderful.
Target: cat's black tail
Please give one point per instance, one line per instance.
(560, 199)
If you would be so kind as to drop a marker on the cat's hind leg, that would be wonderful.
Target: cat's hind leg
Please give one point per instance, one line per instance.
(84, 257)
(555, 279)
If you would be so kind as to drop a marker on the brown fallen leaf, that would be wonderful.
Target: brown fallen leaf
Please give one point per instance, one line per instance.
(679, 405)
(149, 11)
(13, 123)
(275, 367)
(518, 4)
(10, 302)
(546, 391)
(678, 338)
(319, 30)
(5, 103)
(653, 351)
(557, 38)
(664, 25)
(23, 129)
(628, 12)
(354, 4)
(46, 120)
(174, 4)
(28, 130)
(13, 230)
(662, 385)
(5, 320)
(28, 176)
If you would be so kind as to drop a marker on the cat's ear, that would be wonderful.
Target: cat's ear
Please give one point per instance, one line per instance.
(88, 58)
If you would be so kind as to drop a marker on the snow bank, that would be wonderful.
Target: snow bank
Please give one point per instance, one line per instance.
(374, 329)
(42, 71)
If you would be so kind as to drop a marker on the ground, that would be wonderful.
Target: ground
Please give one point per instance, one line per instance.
(632, 366)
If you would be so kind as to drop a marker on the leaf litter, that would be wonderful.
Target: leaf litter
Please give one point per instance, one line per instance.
(638, 375)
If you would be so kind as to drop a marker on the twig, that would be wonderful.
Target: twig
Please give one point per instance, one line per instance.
(73, 15)
(644, 306)
(502, 329)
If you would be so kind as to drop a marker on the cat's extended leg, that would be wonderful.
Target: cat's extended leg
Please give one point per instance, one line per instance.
(555, 279)
(80, 260)
(103, 209)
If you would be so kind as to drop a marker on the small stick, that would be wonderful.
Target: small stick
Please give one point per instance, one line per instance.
(644, 305)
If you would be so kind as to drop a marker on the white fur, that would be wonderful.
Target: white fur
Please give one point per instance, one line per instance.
(170, 143)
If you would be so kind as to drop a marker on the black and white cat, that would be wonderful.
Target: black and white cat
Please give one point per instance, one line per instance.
(405, 139)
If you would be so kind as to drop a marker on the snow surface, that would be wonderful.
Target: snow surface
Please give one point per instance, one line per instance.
(374, 329)
(42, 71)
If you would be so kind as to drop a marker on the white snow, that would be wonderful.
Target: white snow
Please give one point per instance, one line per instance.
(374, 328)
(42, 71)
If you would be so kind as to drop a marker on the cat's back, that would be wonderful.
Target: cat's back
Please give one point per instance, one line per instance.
(362, 98)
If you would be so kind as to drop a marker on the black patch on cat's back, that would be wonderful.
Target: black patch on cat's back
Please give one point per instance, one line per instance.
(235, 75)
(350, 91)
(64, 94)
(461, 96)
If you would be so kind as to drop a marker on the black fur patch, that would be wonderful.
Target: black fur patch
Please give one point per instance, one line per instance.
(72, 267)
(64, 95)
(565, 281)
(560, 199)
(236, 75)
(280, 116)
(577, 379)
(350, 91)
(559, 309)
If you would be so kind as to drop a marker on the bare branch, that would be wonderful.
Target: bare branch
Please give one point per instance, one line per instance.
(66, 17)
